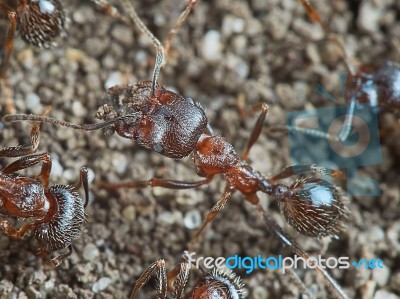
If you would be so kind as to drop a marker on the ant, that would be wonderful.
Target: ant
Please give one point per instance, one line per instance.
(375, 85)
(56, 213)
(38, 22)
(175, 127)
(216, 284)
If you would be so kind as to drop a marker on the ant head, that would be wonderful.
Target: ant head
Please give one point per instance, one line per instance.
(313, 207)
(219, 285)
(41, 21)
(64, 221)
(166, 122)
(376, 85)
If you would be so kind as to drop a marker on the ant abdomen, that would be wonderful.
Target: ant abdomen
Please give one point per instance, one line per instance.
(219, 285)
(314, 208)
(65, 224)
(376, 85)
(165, 122)
(41, 21)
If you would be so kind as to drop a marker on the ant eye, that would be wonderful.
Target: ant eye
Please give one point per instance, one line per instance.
(41, 21)
(315, 209)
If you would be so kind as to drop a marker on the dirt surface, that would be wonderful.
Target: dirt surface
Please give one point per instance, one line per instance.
(268, 51)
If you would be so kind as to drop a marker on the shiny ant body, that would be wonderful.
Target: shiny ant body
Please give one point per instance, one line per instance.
(375, 85)
(54, 214)
(211, 285)
(38, 22)
(175, 126)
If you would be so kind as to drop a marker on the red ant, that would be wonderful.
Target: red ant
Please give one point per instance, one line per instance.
(57, 213)
(175, 126)
(376, 85)
(216, 284)
(38, 22)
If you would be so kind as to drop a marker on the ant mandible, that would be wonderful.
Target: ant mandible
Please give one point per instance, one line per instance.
(57, 212)
(175, 126)
(38, 22)
(216, 284)
(376, 85)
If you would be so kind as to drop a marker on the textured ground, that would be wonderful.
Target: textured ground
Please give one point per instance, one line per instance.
(267, 54)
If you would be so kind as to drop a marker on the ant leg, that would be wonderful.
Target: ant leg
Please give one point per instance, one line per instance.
(229, 190)
(154, 182)
(255, 133)
(299, 169)
(111, 11)
(275, 229)
(314, 16)
(177, 279)
(178, 24)
(157, 267)
(59, 259)
(18, 151)
(7, 92)
(8, 230)
(29, 161)
(84, 180)
(6, 226)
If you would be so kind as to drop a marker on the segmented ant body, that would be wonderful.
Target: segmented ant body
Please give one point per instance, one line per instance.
(56, 214)
(174, 126)
(375, 85)
(38, 22)
(211, 285)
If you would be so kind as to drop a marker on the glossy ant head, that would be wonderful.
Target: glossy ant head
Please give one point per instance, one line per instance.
(56, 214)
(167, 122)
(212, 285)
(376, 85)
(40, 21)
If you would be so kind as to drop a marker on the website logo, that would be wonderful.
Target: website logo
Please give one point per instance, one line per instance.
(321, 142)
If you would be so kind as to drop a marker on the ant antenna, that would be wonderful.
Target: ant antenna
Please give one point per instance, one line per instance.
(178, 24)
(157, 44)
(314, 16)
(46, 119)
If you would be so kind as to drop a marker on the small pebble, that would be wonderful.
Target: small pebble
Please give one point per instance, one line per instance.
(381, 276)
(6, 287)
(192, 219)
(119, 162)
(33, 103)
(56, 167)
(383, 294)
(101, 284)
(212, 47)
(113, 79)
(129, 213)
(90, 252)
(78, 109)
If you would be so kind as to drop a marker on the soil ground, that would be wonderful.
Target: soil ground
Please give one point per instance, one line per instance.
(268, 52)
